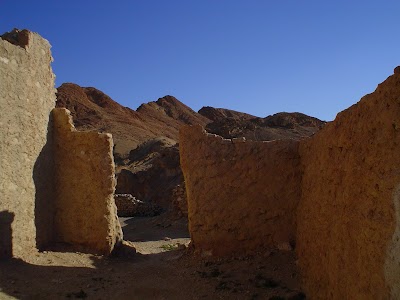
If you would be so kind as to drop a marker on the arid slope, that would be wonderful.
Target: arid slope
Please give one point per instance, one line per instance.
(92, 109)
(146, 140)
(280, 126)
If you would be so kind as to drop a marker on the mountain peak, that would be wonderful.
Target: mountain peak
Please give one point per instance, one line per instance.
(93, 109)
(219, 114)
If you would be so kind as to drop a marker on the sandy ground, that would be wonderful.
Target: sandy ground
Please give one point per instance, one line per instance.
(156, 234)
(159, 271)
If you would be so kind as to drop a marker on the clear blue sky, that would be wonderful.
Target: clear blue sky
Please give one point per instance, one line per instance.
(259, 57)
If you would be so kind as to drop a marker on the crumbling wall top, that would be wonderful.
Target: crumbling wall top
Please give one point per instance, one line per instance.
(242, 195)
(17, 37)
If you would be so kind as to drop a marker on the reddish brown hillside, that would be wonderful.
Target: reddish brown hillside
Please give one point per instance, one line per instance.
(280, 126)
(219, 114)
(92, 109)
(152, 131)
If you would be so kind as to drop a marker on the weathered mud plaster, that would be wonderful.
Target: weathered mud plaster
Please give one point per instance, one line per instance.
(46, 167)
(392, 264)
(86, 214)
(242, 196)
(347, 241)
(27, 95)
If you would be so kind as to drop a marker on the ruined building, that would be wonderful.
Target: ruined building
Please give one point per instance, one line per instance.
(236, 199)
(56, 184)
(334, 196)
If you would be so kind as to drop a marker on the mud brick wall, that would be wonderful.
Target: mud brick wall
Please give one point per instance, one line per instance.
(27, 95)
(86, 214)
(348, 219)
(242, 196)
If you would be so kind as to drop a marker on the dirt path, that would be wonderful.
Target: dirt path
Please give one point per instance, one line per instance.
(155, 234)
(172, 274)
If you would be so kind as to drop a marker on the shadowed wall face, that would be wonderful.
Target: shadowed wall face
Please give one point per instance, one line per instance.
(341, 188)
(27, 96)
(242, 196)
(348, 218)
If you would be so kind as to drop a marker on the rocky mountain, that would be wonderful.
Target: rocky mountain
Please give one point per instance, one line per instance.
(219, 114)
(91, 109)
(146, 140)
(146, 150)
(152, 173)
(280, 126)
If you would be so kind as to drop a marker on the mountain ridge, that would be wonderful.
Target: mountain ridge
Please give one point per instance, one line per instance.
(92, 109)
(146, 149)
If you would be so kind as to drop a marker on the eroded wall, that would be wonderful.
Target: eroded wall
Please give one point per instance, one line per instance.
(85, 183)
(343, 183)
(27, 96)
(346, 241)
(56, 184)
(242, 196)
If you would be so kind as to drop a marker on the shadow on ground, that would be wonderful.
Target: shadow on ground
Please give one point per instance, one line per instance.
(167, 275)
(176, 274)
(141, 277)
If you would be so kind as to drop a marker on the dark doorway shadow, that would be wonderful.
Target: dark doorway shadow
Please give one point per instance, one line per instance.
(6, 247)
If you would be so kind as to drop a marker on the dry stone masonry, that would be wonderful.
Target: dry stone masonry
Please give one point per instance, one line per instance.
(126, 204)
(129, 206)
